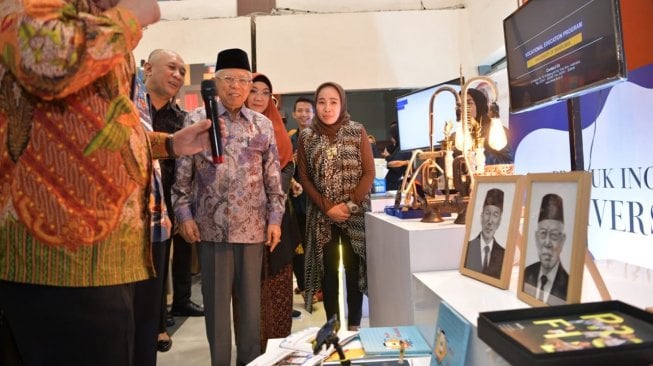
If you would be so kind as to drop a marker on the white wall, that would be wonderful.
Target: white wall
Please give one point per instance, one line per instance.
(197, 41)
(346, 6)
(366, 49)
(204, 9)
(486, 27)
(198, 9)
(372, 50)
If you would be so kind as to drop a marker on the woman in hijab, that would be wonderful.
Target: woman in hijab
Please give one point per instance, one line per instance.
(336, 169)
(276, 284)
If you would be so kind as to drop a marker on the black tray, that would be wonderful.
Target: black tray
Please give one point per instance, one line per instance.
(519, 335)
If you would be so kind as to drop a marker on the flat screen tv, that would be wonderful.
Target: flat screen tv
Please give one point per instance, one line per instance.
(558, 49)
(413, 115)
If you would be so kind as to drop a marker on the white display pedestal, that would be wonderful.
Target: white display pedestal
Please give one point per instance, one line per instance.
(469, 297)
(396, 248)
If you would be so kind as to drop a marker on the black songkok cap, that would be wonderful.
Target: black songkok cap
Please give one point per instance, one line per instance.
(551, 208)
(494, 197)
(233, 58)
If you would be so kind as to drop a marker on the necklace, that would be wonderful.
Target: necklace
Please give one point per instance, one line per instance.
(332, 151)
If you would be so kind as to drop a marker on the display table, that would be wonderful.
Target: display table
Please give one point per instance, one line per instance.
(274, 353)
(469, 297)
(396, 248)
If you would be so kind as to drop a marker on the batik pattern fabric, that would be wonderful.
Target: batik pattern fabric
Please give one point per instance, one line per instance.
(276, 293)
(233, 202)
(170, 118)
(335, 168)
(74, 158)
(158, 212)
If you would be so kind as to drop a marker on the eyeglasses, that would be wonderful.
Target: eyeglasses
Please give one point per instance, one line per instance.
(554, 235)
(233, 80)
(262, 93)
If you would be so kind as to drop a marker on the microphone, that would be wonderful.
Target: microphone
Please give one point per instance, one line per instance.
(208, 89)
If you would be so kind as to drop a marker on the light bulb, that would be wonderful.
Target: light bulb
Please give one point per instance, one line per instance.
(463, 141)
(497, 136)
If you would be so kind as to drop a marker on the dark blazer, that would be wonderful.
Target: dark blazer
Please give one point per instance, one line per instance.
(558, 294)
(473, 260)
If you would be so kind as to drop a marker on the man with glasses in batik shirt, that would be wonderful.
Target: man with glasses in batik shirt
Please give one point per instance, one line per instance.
(234, 211)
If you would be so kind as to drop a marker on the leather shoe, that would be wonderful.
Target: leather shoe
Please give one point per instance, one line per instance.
(164, 345)
(188, 309)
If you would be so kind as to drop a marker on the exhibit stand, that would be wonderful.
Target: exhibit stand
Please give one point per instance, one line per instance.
(396, 248)
(469, 297)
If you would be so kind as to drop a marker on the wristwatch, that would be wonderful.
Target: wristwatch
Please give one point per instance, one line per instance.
(353, 208)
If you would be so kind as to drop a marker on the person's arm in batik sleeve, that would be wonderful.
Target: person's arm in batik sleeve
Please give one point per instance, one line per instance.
(53, 50)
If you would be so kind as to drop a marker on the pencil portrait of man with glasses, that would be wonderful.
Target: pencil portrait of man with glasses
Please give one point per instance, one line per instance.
(547, 280)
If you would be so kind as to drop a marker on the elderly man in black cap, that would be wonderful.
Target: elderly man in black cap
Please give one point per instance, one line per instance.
(484, 253)
(233, 210)
(547, 279)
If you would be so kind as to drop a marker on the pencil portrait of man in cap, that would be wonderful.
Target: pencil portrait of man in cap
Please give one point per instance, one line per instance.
(484, 253)
(547, 280)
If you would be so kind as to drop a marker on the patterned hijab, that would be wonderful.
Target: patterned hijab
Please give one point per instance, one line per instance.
(331, 130)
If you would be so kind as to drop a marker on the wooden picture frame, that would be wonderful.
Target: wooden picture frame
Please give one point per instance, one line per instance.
(488, 193)
(555, 222)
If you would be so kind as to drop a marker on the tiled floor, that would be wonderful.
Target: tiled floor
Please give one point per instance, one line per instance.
(189, 344)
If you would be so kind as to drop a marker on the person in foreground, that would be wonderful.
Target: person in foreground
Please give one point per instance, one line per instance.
(484, 253)
(149, 321)
(337, 171)
(547, 279)
(75, 172)
(233, 209)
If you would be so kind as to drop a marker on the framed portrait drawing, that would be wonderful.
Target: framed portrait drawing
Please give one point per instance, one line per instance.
(493, 216)
(554, 238)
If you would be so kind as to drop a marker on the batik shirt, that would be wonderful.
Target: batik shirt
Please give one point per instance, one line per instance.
(234, 201)
(75, 163)
(159, 214)
(170, 118)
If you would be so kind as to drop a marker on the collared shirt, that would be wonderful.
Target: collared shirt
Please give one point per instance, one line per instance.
(74, 158)
(550, 277)
(170, 118)
(159, 214)
(234, 201)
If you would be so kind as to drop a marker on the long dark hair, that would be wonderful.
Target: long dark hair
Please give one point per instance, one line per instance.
(394, 133)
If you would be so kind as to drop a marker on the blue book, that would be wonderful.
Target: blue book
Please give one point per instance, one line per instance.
(451, 338)
(388, 341)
